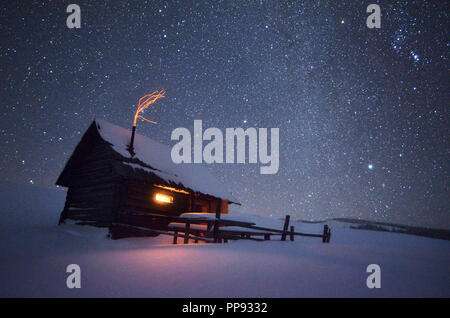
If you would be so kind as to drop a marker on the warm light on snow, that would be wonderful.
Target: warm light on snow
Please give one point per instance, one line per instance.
(35, 253)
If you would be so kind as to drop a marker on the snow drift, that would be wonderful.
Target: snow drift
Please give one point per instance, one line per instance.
(35, 253)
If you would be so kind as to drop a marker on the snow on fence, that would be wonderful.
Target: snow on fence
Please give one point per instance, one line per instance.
(216, 230)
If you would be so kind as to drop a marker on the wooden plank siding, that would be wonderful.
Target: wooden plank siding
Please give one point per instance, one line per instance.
(93, 187)
(104, 190)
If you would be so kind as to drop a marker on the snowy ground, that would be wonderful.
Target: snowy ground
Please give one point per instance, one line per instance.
(34, 253)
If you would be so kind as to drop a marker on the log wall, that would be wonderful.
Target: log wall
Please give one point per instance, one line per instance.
(94, 188)
(100, 193)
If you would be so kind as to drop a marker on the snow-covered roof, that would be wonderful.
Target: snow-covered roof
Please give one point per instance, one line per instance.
(157, 156)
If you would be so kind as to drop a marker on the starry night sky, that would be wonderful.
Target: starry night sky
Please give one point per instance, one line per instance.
(362, 112)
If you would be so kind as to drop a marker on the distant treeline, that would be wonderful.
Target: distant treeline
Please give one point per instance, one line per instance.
(397, 228)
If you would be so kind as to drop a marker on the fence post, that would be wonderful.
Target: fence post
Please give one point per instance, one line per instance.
(216, 231)
(292, 233)
(208, 229)
(285, 227)
(217, 239)
(175, 237)
(186, 232)
(325, 233)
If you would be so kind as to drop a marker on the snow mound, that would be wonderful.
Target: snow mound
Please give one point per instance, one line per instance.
(35, 253)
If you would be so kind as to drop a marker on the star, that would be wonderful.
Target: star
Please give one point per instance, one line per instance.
(343, 101)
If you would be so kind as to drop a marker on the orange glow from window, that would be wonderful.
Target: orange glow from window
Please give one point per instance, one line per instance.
(146, 101)
(171, 189)
(162, 198)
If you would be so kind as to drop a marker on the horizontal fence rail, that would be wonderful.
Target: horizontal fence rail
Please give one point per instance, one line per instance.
(216, 229)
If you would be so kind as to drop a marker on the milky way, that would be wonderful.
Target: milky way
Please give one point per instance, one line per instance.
(362, 112)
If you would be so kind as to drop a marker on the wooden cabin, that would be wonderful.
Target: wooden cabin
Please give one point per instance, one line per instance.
(109, 186)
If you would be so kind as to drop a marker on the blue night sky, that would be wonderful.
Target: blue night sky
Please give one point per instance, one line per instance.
(361, 112)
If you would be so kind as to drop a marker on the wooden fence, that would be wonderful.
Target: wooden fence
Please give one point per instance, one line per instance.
(220, 230)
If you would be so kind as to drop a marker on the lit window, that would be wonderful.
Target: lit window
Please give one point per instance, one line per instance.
(162, 198)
